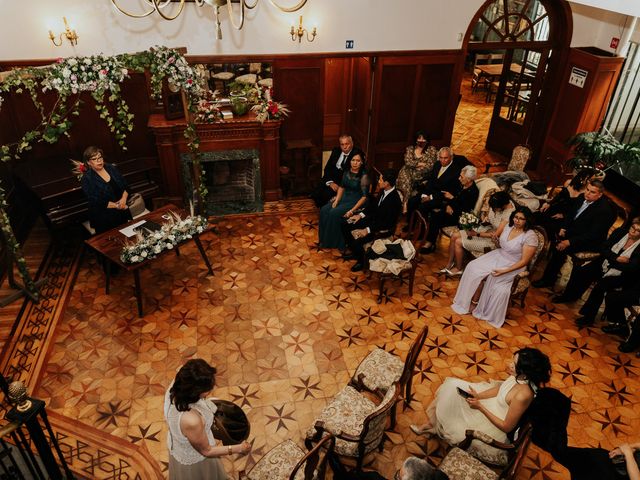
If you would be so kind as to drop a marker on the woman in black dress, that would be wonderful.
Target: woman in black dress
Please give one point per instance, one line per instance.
(106, 191)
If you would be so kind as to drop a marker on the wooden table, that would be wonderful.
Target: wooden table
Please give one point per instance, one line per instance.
(109, 245)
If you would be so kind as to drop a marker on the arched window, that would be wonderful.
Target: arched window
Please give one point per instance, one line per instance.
(512, 21)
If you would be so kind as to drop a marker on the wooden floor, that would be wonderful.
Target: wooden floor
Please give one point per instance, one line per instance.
(285, 323)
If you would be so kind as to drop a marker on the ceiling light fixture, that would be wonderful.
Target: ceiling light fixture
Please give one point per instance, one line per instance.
(160, 5)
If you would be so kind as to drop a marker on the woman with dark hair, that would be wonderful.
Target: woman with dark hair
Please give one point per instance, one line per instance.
(106, 191)
(352, 194)
(485, 286)
(482, 238)
(419, 159)
(493, 408)
(193, 453)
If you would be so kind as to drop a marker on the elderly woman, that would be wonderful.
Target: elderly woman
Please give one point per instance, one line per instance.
(352, 194)
(493, 408)
(106, 191)
(419, 159)
(463, 200)
(485, 285)
(483, 238)
(193, 453)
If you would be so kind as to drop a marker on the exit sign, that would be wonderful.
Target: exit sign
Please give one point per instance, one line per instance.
(348, 44)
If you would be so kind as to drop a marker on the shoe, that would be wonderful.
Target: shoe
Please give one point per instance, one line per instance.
(417, 430)
(584, 322)
(616, 329)
(358, 267)
(626, 347)
(428, 248)
(561, 299)
(542, 283)
(445, 269)
(348, 256)
(454, 274)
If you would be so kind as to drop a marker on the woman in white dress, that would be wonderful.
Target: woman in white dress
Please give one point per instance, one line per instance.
(193, 453)
(494, 408)
(482, 238)
(489, 300)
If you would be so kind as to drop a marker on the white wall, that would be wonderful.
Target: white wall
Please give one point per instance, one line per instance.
(374, 25)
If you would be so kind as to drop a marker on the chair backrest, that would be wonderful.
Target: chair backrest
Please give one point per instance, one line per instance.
(517, 455)
(519, 158)
(375, 423)
(482, 59)
(315, 461)
(496, 58)
(542, 243)
(419, 229)
(412, 356)
(483, 211)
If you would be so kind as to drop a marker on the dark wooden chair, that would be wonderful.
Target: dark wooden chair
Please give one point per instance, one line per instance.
(287, 459)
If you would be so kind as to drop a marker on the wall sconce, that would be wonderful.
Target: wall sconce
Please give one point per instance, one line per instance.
(301, 31)
(69, 34)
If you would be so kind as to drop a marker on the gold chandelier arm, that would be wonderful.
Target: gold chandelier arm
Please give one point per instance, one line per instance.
(133, 15)
(287, 9)
(158, 4)
(230, 11)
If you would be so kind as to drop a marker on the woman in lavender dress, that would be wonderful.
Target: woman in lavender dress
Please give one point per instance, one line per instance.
(518, 244)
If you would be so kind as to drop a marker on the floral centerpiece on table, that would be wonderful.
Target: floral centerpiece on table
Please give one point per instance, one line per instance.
(269, 109)
(151, 244)
(468, 221)
(207, 110)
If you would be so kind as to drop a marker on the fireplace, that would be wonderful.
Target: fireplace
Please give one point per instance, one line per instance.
(232, 178)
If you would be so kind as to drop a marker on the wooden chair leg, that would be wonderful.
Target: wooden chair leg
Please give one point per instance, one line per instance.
(407, 392)
(393, 416)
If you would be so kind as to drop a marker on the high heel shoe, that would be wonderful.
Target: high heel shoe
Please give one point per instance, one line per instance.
(418, 430)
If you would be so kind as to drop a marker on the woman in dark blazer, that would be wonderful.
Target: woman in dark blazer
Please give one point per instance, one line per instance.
(106, 191)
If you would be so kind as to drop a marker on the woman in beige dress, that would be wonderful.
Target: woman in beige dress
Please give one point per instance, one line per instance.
(481, 239)
(419, 159)
(193, 452)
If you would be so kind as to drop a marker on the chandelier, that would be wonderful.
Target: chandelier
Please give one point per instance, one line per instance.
(159, 6)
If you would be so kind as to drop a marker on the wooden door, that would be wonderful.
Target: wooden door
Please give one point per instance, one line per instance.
(517, 98)
(358, 119)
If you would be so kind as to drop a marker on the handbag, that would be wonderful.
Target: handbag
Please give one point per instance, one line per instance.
(135, 202)
(230, 424)
(620, 464)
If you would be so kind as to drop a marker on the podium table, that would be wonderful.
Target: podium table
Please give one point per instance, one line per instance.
(109, 245)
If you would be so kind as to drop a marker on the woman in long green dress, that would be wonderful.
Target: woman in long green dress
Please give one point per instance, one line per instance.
(352, 194)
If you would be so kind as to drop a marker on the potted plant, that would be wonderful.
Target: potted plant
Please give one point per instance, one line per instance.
(600, 152)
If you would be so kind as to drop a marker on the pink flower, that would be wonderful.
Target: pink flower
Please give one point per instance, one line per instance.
(103, 71)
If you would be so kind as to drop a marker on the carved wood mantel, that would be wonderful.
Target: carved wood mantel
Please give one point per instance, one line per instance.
(236, 134)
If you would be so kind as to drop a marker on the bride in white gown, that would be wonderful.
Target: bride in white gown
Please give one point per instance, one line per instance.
(517, 246)
(493, 408)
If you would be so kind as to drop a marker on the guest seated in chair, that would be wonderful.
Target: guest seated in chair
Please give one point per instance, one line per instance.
(414, 468)
(615, 304)
(419, 160)
(106, 191)
(615, 269)
(338, 163)
(381, 215)
(493, 408)
(585, 229)
(453, 204)
(482, 238)
(485, 286)
(352, 195)
(443, 177)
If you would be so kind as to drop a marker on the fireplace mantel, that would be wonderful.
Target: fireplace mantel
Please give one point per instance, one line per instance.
(237, 134)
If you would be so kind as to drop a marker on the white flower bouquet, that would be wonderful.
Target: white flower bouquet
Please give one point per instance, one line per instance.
(150, 244)
(96, 73)
(468, 221)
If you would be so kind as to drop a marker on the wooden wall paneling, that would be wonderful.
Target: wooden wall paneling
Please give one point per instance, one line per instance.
(435, 88)
(140, 142)
(337, 75)
(360, 101)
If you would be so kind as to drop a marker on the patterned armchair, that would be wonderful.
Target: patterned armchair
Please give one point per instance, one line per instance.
(522, 281)
(356, 421)
(285, 462)
(460, 464)
(380, 370)
(520, 155)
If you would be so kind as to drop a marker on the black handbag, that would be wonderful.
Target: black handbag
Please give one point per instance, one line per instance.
(620, 464)
(230, 423)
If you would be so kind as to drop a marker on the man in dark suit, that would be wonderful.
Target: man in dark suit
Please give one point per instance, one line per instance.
(585, 229)
(381, 215)
(615, 304)
(338, 163)
(444, 177)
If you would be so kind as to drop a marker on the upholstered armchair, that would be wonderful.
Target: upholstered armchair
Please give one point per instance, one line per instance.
(461, 464)
(380, 370)
(519, 158)
(356, 421)
(287, 461)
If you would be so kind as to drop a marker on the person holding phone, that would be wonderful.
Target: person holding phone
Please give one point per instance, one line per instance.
(493, 408)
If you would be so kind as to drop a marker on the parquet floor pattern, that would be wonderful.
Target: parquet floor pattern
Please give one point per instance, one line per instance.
(286, 324)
